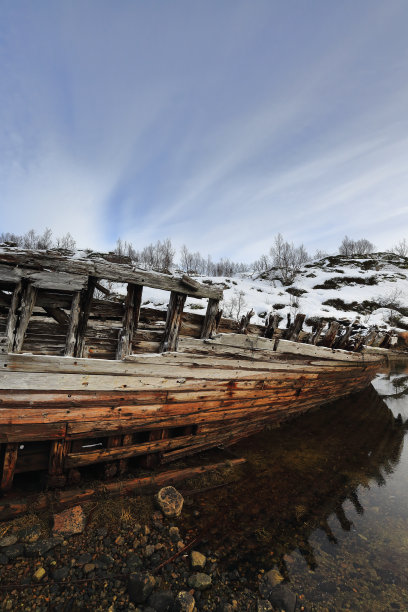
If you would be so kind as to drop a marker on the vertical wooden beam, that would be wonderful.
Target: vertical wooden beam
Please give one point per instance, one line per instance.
(9, 465)
(331, 334)
(111, 468)
(173, 322)
(152, 460)
(56, 476)
(209, 324)
(123, 463)
(294, 330)
(317, 332)
(86, 303)
(78, 320)
(12, 317)
(73, 324)
(28, 297)
(130, 320)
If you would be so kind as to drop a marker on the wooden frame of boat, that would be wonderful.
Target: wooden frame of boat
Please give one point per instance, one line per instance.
(85, 380)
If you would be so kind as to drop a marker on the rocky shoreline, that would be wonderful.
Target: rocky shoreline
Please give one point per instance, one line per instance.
(123, 554)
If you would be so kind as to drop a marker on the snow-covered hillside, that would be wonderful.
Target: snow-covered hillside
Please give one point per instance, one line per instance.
(372, 288)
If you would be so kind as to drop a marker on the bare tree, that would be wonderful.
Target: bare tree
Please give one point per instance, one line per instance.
(351, 247)
(287, 259)
(401, 248)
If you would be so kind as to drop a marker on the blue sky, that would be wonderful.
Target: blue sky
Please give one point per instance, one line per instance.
(217, 123)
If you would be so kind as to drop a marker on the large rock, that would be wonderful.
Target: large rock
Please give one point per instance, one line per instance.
(199, 581)
(185, 602)
(268, 581)
(140, 586)
(70, 521)
(170, 501)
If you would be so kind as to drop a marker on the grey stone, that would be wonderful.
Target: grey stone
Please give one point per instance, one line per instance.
(61, 573)
(3, 559)
(283, 598)
(84, 559)
(185, 602)
(174, 533)
(42, 547)
(14, 551)
(140, 586)
(161, 601)
(8, 540)
(134, 562)
(199, 581)
(170, 501)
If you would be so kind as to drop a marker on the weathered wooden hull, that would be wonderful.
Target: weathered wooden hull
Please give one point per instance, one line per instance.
(54, 410)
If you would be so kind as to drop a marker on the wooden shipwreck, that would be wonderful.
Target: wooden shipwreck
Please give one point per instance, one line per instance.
(87, 379)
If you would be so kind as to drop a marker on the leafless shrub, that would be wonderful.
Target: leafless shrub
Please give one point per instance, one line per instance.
(32, 240)
(401, 248)
(351, 247)
(235, 305)
(287, 259)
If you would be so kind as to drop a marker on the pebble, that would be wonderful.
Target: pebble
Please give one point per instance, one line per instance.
(198, 560)
(39, 574)
(199, 581)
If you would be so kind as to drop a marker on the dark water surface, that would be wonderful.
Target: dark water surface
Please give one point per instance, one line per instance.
(324, 499)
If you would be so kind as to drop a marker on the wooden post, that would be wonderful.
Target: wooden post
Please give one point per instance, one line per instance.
(271, 324)
(152, 460)
(86, 303)
(12, 317)
(295, 329)
(123, 463)
(78, 320)
(173, 322)
(130, 320)
(244, 322)
(73, 325)
(28, 297)
(9, 465)
(345, 338)
(111, 469)
(330, 335)
(56, 476)
(209, 324)
(317, 332)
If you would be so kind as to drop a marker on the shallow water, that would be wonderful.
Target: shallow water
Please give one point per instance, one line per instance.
(324, 499)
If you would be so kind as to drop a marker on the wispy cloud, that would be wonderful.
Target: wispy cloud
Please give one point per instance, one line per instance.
(218, 125)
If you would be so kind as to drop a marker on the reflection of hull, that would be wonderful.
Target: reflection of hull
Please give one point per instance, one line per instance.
(70, 412)
(305, 474)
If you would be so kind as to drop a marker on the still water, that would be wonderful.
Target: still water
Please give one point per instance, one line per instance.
(325, 500)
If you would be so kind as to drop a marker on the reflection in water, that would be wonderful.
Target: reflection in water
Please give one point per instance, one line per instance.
(306, 484)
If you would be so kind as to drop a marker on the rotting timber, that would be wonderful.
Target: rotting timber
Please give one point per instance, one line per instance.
(85, 380)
